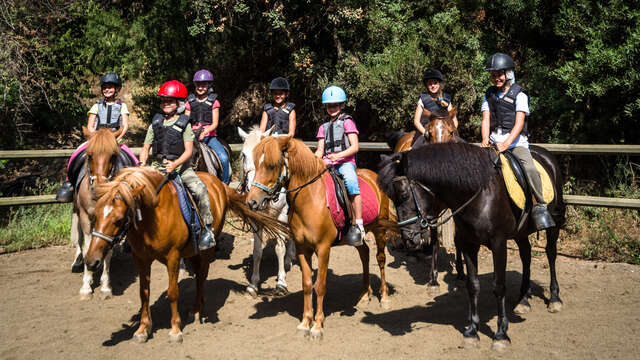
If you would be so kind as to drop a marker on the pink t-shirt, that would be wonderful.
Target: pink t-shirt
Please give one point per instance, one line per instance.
(349, 128)
(216, 104)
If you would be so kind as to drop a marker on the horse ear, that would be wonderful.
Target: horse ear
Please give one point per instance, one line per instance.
(268, 132)
(118, 132)
(453, 111)
(86, 132)
(242, 134)
(283, 141)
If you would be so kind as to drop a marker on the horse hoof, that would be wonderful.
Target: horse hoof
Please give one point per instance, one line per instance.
(470, 342)
(105, 295)
(385, 304)
(554, 307)
(281, 290)
(302, 331)
(175, 338)
(252, 292)
(316, 334)
(522, 309)
(500, 345)
(140, 338)
(85, 296)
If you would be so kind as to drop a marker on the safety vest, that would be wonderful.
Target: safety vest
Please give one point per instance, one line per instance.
(335, 140)
(108, 114)
(167, 140)
(279, 118)
(503, 111)
(201, 110)
(431, 105)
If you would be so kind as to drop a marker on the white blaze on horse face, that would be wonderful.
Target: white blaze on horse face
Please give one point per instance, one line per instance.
(261, 160)
(440, 130)
(107, 210)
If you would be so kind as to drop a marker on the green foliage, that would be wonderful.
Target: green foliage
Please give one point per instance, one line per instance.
(36, 226)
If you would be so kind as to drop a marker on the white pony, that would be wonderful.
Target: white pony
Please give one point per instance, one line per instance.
(285, 249)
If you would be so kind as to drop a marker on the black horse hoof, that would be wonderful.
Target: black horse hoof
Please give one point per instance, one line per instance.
(78, 264)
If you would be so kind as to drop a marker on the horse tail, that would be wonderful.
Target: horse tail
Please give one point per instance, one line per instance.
(261, 219)
(392, 141)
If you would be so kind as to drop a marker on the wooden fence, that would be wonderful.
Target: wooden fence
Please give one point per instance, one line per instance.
(564, 149)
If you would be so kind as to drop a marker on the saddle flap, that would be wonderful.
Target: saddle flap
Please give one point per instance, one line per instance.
(188, 211)
(514, 180)
(341, 195)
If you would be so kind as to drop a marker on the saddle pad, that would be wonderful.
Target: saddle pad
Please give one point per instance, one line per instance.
(515, 190)
(370, 205)
(188, 212)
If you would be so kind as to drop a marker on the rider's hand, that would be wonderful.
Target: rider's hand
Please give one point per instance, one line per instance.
(334, 157)
(502, 146)
(171, 165)
(202, 135)
(485, 143)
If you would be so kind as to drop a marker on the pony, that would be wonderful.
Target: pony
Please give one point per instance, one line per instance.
(100, 165)
(462, 177)
(286, 162)
(285, 249)
(137, 203)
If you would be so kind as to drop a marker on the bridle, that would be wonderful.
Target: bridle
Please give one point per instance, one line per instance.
(132, 216)
(92, 178)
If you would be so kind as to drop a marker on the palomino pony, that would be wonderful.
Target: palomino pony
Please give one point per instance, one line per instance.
(100, 164)
(463, 178)
(157, 231)
(286, 162)
(285, 249)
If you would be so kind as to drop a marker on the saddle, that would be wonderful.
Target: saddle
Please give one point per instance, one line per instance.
(189, 211)
(340, 206)
(77, 170)
(211, 159)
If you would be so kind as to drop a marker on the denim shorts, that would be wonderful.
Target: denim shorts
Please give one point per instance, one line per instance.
(348, 172)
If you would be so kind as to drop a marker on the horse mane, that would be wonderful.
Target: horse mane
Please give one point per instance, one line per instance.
(462, 166)
(129, 179)
(302, 162)
(102, 141)
(388, 169)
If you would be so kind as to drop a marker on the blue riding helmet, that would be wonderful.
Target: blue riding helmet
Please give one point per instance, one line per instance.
(333, 94)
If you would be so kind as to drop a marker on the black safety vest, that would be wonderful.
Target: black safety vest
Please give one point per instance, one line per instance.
(335, 140)
(431, 105)
(201, 110)
(503, 111)
(108, 114)
(279, 118)
(167, 140)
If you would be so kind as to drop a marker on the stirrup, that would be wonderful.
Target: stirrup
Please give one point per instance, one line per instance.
(354, 236)
(541, 217)
(65, 193)
(207, 240)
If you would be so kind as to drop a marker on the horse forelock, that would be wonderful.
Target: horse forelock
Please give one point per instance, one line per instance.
(268, 152)
(129, 179)
(102, 141)
(255, 135)
(461, 166)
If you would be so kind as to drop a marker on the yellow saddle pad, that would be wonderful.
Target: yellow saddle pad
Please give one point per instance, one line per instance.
(514, 189)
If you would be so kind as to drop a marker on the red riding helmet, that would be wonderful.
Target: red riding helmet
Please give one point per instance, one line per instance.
(173, 89)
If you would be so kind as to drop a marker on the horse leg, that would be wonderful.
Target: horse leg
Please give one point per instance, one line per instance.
(105, 284)
(173, 268)
(281, 282)
(470, 334)
(500, 338)
(201, 265)
(304, 259)
(76, 233)
(252, 289)
(321, 286)
(87, 276)
(555, 304)
(144, 274)
(365, 295)
(385, 303)
(432, 284)
(459, 266)
(524, 248)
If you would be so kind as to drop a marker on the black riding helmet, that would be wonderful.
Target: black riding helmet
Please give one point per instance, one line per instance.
(111, 78)
(432, 74)
(279, 83)
(499, 61)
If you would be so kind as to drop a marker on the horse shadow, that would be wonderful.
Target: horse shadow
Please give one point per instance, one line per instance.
(451, 308)
(122, 272)
(216, 294)
(224, 246)
(342, 295)
(418, 263)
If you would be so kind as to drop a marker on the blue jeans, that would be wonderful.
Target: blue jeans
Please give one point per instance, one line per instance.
(214, 144)
(348, 172)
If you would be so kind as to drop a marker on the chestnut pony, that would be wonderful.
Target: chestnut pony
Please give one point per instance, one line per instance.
(286, 162)
(157, 231)
(102, 152)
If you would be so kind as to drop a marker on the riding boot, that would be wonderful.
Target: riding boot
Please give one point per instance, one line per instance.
(207, 239)
(354, 236)
(65, 193)
(541, 217)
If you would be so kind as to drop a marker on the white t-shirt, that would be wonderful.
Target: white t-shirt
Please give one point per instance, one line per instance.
(522, 104)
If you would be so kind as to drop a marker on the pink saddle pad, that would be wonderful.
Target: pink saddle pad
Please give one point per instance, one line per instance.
(370, 205)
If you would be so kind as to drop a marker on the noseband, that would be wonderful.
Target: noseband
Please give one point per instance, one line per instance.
(136, 215)
(273, 192)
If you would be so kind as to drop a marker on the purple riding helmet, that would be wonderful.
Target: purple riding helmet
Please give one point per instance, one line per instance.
(203, 75)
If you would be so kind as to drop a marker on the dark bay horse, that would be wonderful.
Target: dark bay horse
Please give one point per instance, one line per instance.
(462, 177)
(288, 162)
(157, 231)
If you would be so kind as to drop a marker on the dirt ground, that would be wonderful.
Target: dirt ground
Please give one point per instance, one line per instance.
(43, 317)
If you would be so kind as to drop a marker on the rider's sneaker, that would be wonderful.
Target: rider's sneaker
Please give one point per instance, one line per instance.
(65, 193)
(207, 239)
(354, 236)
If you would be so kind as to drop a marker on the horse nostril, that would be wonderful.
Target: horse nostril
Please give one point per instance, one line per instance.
(253, 205)
(93, 265)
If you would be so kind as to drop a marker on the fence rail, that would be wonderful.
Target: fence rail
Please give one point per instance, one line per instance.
(563, 149)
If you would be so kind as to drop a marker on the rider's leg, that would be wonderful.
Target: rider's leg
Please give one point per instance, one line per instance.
(539, 214)
(65, 192)
(356, 232)
(215, 144)
(201, 196)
